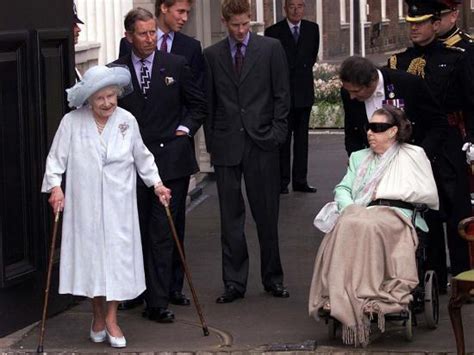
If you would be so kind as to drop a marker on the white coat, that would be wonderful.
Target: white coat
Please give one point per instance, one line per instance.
(101, 252)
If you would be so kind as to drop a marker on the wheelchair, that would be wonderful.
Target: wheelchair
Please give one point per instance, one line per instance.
(425, 295)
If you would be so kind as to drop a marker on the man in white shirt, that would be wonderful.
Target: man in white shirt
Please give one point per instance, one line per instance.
(366, 88)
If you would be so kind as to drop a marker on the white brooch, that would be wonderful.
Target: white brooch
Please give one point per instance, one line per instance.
(169, 80)
(123, 128)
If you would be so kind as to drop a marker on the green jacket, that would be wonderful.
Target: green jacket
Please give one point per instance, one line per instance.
(343, 190)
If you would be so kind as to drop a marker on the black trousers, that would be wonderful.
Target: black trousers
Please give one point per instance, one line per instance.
(260, 170)
(163, 270)
(450, 171)
(298, 121)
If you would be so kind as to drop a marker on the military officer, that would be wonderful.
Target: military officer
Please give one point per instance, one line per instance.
(449, 32)
(445, 71)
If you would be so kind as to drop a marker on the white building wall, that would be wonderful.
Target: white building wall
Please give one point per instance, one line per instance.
(103, 24)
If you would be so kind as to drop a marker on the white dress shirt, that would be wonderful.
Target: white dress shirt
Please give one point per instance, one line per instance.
(292, 25)
(374, 102)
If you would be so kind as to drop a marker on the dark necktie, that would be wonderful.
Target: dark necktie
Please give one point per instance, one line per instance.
(144, 78)
(238, 59)
(164, 43)
(296, 34)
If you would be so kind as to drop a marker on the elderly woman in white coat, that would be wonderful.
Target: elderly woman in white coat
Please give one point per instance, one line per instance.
(100, 149)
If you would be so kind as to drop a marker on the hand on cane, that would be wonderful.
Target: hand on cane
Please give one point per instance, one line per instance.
(56, 199)
(163, 193)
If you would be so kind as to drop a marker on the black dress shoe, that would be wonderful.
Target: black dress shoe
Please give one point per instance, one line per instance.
(160, 315)
(230, 295)
(304, 188)
(278, 290)
(284, 191)
(129, 304)
(179, 299)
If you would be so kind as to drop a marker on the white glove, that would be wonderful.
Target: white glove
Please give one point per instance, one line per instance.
(469, 149)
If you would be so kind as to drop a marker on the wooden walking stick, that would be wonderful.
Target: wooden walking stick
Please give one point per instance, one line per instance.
(39, 350)
(186, 271)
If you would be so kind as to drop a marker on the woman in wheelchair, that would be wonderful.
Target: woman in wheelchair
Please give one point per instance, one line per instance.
(366, 262)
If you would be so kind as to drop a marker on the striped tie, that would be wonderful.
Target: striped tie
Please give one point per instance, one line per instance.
(144, 78)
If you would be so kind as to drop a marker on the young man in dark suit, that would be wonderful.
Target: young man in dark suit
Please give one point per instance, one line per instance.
(171, 16)
(163, 88)
(248, 98)
(300, 39)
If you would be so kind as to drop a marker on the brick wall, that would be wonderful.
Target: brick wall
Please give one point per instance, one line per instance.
(389, 35)
(381, 36)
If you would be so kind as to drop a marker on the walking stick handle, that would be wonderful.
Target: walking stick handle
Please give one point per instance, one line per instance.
(186, 271)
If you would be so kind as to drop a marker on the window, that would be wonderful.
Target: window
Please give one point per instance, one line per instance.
(472, 4)
(342, 9)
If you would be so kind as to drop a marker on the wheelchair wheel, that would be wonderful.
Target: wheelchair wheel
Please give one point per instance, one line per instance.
(431, 309)
(409, 327)
(332, 328)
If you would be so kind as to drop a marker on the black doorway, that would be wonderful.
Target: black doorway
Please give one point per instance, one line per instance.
(36, 65)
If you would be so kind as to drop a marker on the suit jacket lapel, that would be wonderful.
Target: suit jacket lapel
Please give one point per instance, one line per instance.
(157, 76)
(289, 36)
(225, 60)
(387, 83)
(251, 55)
(178, 45)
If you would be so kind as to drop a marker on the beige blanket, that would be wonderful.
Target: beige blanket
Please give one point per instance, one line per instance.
(365, 264)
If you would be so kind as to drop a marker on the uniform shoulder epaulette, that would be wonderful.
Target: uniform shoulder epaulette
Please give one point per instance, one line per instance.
(451, 41)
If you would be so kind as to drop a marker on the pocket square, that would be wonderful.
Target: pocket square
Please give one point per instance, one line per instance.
(169, 80)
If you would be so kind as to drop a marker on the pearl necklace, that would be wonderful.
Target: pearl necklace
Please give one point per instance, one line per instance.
(100, 126)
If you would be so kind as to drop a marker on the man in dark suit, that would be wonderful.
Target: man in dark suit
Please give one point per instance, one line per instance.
(171, 16)
(163, 87)
(300, 39)
(248, 98)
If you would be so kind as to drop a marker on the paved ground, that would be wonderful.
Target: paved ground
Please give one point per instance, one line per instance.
(257, 323)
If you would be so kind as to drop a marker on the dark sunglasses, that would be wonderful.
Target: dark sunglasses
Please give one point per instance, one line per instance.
(378, 127)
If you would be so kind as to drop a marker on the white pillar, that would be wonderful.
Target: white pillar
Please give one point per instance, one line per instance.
(104, 24)
(319, 20)
(383, 9)
(363, 18)
(274, 11)
(351, 27)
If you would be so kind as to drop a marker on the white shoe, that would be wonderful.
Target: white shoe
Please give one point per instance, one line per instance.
(97, 337)
(116, 342)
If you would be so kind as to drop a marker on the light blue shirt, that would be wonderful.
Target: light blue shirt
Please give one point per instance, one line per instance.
(137, 64)
(233, 45)
(169, 40)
